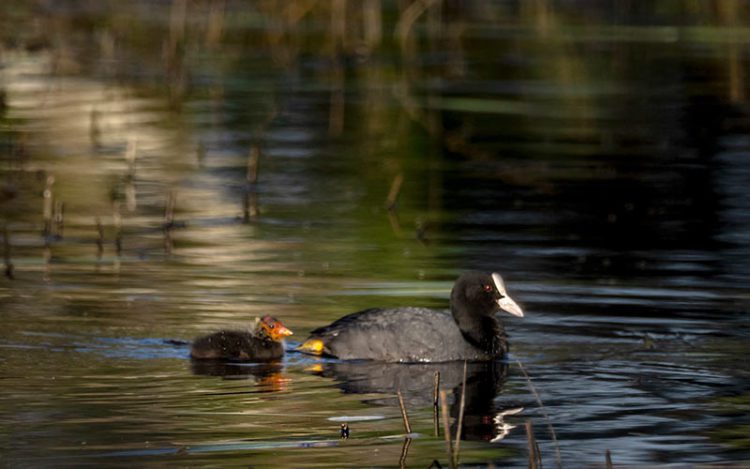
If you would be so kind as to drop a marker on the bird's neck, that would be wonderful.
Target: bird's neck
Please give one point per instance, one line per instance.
(484, 332)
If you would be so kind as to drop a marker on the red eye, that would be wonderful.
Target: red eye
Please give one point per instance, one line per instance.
(488, 288)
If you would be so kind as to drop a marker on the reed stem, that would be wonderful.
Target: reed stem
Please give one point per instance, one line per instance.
(404, 453)
(253, 164)
(436, 403)
(404, 415)
(47, 210)
(6, 253)
(535, 458)
(390, 201)
(457, 444)
(544, 412)
(99, 239)
(59, 219)
(446, 428)
(117, 219)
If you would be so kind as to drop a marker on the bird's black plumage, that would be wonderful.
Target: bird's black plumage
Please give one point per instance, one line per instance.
(468, 331)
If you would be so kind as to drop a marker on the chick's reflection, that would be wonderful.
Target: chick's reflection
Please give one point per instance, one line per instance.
(267, 376)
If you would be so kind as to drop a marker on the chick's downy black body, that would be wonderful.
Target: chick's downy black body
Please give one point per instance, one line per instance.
(264, 343)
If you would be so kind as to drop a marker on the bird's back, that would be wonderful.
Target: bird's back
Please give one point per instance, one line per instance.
(396, 335)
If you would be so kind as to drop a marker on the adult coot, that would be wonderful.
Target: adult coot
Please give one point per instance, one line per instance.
(265, 342)
(469, 331)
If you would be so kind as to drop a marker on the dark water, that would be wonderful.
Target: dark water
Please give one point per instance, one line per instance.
(597, 155)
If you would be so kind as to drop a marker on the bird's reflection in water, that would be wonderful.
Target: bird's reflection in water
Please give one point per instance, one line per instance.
(267, 375)
(483, 420)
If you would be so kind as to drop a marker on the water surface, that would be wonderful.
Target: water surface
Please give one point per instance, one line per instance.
(598, 156)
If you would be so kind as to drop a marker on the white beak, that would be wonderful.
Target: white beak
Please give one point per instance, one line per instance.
(505, 302)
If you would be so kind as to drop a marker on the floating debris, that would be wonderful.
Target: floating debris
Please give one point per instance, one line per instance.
(345, 431)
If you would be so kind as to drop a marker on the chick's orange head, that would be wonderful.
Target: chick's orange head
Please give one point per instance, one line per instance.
(274, 328)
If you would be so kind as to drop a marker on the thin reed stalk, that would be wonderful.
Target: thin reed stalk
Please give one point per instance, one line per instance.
(117, 220)
(169, 207)
(535, 457)
(6, 253)
(446, 428)
(253, 164)
(436, 389)
(94, 131)
(405, 25)
(58, 217)
(99, 239)
(404, 453)
(390, 201)
(436, 403)
(544, 412)
(169, 221)
(457, 444)
(47, 210)
(131, 155)
(404, 415)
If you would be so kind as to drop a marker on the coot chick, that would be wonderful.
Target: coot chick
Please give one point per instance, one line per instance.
(264, 343)
(469, 331)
